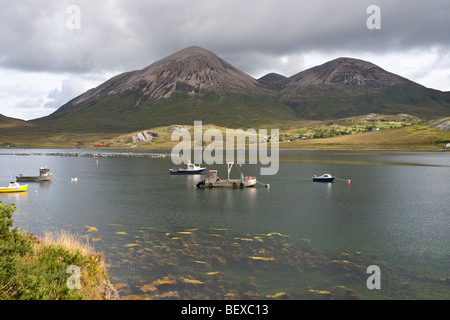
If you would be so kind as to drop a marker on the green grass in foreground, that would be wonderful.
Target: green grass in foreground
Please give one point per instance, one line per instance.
(36, 269)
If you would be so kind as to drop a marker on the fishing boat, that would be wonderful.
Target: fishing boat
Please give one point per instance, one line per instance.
(13, 188)
(213, 180)
(323, 178)
(191, 169)
(44, 175)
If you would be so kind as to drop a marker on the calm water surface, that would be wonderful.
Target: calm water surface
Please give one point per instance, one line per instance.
(302, 239)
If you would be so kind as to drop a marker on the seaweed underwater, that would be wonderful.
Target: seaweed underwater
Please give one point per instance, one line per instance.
(213, 263)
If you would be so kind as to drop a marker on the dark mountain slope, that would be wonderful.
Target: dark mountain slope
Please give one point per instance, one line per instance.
(195, 84)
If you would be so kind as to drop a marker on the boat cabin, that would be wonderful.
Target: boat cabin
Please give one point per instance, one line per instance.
(213, 175)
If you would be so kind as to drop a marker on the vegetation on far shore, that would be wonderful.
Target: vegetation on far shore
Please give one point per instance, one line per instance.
(371, 131)
(34, 268)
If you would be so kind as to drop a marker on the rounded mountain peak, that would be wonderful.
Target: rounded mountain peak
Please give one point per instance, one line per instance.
(347, 72)
(191, 70)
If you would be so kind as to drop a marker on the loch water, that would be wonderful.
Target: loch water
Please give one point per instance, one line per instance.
(164, 238)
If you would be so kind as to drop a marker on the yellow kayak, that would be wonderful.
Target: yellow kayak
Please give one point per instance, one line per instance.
(14, 187)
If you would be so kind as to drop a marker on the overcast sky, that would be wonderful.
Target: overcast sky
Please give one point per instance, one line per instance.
(51, 53)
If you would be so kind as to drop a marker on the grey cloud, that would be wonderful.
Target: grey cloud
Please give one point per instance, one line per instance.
(70, 88)
(126, 35)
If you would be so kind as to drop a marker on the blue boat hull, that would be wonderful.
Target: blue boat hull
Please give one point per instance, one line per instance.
(187, 171)
(323, 179)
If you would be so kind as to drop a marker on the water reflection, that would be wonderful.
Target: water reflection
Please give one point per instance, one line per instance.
(20, 197)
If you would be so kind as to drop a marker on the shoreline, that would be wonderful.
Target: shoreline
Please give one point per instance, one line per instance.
(159, 153)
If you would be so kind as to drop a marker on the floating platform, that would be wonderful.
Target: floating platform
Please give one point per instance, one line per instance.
(213, 180)
(44, 175)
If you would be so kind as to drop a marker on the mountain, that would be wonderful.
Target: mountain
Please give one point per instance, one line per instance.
(192, 84)
(196, 84)
(192, 70)
(272, 81)
(348, 87)
(346, 73)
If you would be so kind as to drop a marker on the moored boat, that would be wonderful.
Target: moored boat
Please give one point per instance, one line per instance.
(44, 175)
(213, 180)
(191, 169)
(323, 178)
(13, 188)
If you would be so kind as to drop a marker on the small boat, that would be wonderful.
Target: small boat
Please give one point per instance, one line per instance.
(191, 169)
(213, 181)
(44, 175)
(323, 178)
(14, 187)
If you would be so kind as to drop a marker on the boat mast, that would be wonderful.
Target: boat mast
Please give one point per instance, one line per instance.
(229, 166)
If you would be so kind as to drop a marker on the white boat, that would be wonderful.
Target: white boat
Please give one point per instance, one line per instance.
(191, 169)
(323, 178)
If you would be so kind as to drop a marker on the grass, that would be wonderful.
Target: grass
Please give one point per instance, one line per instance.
(32, 268)
(418, 136)
(395, 132)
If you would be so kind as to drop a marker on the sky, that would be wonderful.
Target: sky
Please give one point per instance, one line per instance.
(54, 50)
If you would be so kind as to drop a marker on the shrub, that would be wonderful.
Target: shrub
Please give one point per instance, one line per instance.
(36, 269)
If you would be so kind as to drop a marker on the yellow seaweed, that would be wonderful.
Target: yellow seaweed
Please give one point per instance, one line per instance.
(263, 258)
(191, 281)
(244, 239)
(167, 295)
(216, 235)
(132, 245)
(277, 234)
(121, 232)
(165, 280)
(90, 229)
(278, 295)
(326, 292)
(149, 288)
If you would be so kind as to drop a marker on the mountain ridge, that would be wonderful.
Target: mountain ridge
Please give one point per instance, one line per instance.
(196, 84)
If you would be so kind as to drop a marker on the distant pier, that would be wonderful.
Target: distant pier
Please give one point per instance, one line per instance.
(93, 154)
